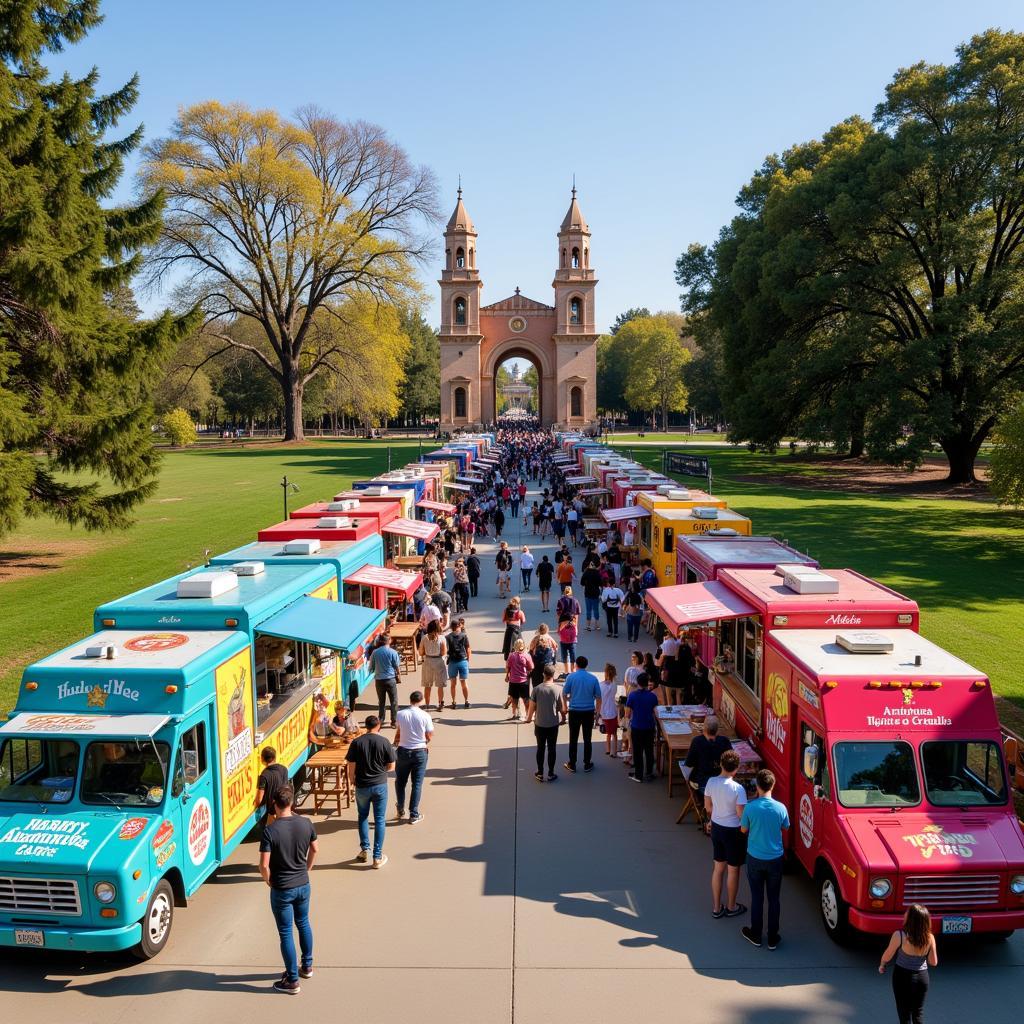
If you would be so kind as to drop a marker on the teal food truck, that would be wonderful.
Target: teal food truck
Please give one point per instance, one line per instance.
(128, 769)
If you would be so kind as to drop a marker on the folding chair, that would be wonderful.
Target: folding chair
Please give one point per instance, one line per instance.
(692, 803)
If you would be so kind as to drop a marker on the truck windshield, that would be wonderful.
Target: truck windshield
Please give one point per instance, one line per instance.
(881, 774)
(38, 771)
(963, 773)
(129, 773)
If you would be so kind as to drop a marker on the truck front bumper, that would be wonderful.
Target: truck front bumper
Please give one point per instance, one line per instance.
(981, 921)
(86, 940)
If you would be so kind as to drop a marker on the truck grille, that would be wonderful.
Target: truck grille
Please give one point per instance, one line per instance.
(952, 892)
(40, 896)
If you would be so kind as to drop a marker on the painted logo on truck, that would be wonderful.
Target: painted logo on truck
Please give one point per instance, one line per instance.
(150, 643)
(199, 827)
(132, 828)
(776, 711)
(932, 840)
(43, 837)
(806, 821)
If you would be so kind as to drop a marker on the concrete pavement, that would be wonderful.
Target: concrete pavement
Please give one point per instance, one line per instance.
(511, 902)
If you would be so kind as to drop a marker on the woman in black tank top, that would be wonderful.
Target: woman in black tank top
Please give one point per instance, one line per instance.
(912, 951)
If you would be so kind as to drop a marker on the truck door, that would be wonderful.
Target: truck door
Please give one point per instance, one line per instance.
(810, 793)
(192, 796)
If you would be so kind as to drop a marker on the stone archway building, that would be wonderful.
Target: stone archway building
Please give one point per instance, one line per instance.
(560, 340)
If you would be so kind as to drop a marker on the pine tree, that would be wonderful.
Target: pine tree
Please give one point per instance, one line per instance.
(75, 367)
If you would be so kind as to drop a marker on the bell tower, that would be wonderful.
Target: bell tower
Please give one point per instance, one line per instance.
(460, 335)
(575, 334)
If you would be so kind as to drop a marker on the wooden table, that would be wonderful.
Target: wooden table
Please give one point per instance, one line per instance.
(408, 563)
(673, 747)
(329, 776)
(403, 639)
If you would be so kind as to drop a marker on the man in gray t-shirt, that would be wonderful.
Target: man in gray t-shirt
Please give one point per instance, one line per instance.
(547, 712)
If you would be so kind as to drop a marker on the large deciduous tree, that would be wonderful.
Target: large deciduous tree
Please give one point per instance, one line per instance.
(75, 363)
(284, 223)
(873, 285)
(655, 357)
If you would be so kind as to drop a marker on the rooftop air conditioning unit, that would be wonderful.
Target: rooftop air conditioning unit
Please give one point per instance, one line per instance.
(247, 568)
(107, 651)
(207, 584)
(794, 569)
(705, 512)
(865, 643)
(345, 505)
(678, 494)
(376, 490)
(333, 523)
(302, 547)
(665, 488)
(811, 583)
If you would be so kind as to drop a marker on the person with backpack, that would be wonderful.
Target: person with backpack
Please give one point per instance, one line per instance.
(459, 653)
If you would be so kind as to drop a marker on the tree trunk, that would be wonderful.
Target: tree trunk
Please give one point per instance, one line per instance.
(856, 446)
(961, 452)
(292, 387)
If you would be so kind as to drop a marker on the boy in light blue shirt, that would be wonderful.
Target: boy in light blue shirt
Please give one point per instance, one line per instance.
(582, 693)
(763, 821)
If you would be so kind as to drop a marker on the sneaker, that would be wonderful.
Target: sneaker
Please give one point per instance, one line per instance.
(288, 987)
(401, 813)
(720, 912)
(539, 776)
(649, 777)
(571, 768)
(378, 864)
(415, 819)
(773, 943)
(738, 911)
(754, 940)
(634, 778)
(589, 767)
(552, 777)
(306, 972)
(466, 705)
(363, 856)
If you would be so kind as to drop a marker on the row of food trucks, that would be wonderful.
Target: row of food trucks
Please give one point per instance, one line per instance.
(128, 770)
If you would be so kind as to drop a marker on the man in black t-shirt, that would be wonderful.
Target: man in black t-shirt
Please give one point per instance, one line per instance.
(370, 757)
(545, 572)
(704, 754)
(271, 779)
(287, 851)
(591, 581)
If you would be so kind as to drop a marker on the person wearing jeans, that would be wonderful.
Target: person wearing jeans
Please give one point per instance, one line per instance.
(287, 852)
(763, 821)
(582, 695)
(640, 705)
(415, 731)
(634, 613)
(370, 757)
(386, 663)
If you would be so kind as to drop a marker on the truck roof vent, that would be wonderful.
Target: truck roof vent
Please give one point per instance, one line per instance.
(333, 523)
(811, 583)
(345, 505)
(665, 488)
(247, 568)
(865, 643)
(107, 651)
(207, 584)
(722, 531)
(705, 512)
(678, 494)
(301, 547)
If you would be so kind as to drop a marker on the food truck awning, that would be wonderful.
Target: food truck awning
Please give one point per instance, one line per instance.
(458, 487)
(390, 579)
(469, 478)
(593, 492)
(618, 515)
(436, 506)
(412, 528)
(575, 481)
(324, 623)
(29, 722)
(687, 603)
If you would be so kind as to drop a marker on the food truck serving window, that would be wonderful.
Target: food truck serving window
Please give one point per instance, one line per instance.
(38, 771)
(876, 774)
(740, 642)
(963, 773)
(125, 773)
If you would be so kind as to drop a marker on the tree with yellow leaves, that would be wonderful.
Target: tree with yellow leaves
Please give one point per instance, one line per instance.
(297, 227)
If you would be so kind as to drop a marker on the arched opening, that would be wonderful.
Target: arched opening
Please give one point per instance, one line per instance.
(447, 259)
(563, 258)
(576, 402)
(472, 257)
(586, 257)
(575, 311)
(575, 258)
(460, 312)
(459, 404)
(517, 384)
(460, 258)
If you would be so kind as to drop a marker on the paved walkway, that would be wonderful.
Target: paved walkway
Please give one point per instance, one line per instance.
(511, 902)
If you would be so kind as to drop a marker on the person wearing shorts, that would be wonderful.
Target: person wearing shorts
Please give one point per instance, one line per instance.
(724, 800)
(458, 660)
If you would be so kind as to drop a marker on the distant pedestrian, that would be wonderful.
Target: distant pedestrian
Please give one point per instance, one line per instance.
(913, 950)
(518, 667)
(544, 652)
(473, 571)
(503, 562)
(611, 602)
(271, 779)
(763, 822)
(610, 711)
(545, 573)
(513, 619)
(459, 653)
(412, 739)
(287, 852)
(460, 586)
(640, 705)
(724, 800)
(547, 712)
(386, 664)
(433, 649)
(582, 694)
(526, 563)
(370, 757)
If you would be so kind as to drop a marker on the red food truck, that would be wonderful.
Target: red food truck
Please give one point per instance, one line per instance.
(700, 558)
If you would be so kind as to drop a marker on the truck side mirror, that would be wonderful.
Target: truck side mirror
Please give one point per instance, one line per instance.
(810, 766)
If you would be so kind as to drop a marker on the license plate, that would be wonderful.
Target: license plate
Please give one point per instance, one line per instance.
(28, 937)
(956, 925)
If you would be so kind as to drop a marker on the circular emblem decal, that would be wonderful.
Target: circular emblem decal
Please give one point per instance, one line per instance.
(517, 324)
(806, 821)
(155, 642)
(199, 826)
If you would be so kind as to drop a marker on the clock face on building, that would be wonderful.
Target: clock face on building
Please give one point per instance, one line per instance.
(517, 324)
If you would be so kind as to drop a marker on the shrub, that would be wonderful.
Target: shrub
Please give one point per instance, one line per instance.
(180, 429)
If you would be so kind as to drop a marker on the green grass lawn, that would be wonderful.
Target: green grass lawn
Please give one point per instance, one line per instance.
(673, 437)
(211, 498)
(961, 560)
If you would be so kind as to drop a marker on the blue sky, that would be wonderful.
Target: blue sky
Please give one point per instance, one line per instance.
(662, 110)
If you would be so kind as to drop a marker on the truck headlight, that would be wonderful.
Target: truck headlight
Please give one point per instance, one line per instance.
(880, 888)
(104, 892)
(1017, 885)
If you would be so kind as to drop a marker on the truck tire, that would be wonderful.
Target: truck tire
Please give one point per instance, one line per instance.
(835, 911)
(156, 922)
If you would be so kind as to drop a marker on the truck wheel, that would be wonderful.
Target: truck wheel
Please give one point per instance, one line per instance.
(835, 911)
(156, 923)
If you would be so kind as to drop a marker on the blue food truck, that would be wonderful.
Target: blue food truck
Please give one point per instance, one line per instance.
(128, 770)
